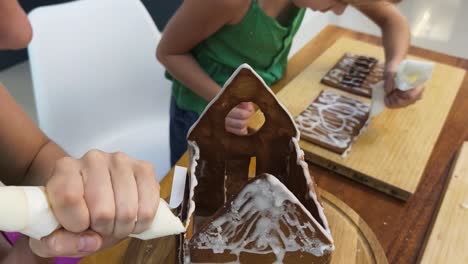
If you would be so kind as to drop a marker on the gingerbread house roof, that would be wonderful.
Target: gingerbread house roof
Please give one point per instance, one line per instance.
(264, 223)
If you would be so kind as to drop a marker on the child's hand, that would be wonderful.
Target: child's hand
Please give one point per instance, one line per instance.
(237, 120)
(395, 98)
(98, 200)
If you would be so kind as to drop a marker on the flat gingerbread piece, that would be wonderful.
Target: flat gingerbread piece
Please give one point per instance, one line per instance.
(355, 74)
(333, 121)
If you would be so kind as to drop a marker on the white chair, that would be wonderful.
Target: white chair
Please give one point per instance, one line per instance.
(97, 83)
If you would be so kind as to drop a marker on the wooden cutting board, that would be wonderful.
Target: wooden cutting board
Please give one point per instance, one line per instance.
(360, 245)
(392, 154)
(448, 241)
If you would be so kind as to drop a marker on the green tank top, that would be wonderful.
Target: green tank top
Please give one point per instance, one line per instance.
(259, 40)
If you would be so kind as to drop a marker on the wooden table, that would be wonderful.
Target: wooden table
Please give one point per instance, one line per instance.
(401, 227)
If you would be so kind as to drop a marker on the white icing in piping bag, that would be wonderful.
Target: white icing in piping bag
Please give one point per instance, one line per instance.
(410, 74)
(165, 223)
(26, 210)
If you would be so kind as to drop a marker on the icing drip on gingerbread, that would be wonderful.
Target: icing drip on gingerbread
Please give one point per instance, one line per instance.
(333, 119)
(256, 222)
(312, 194)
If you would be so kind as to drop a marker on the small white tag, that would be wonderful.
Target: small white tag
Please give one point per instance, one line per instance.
(378, 96)
(178, 186)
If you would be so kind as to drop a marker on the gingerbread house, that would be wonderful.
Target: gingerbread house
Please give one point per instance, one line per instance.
(275, 217)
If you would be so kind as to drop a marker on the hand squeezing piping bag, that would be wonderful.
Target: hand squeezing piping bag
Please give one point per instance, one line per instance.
(410, 74)
(27, 210)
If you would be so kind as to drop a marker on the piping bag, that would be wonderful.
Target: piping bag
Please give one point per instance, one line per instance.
(26, 210)
(410, 74)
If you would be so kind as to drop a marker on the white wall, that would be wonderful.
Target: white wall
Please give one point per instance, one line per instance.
(435, 24)
(312, 24)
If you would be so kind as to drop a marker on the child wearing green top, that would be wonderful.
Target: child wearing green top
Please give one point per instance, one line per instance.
(206, 40)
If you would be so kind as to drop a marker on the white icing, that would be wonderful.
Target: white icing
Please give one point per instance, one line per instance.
(346, 62)
(41, 217)
(15, 215)
(364, 128)
(253, 225)
(337, 127)
(31, 215)
(312, 194)
(26, 210)
(165, 223)
(225, 186)
(194, 157)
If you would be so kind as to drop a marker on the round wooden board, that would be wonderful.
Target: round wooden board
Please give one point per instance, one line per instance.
(354, 240)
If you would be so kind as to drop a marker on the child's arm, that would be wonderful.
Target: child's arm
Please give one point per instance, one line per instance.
(395, 30)
(396, 40)
(12, 18)
(193, 22)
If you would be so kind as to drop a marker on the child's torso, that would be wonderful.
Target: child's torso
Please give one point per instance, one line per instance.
(257, 39)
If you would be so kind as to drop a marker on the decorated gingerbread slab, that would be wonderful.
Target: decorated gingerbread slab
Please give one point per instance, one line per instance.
(333, 121)
(355, 74)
